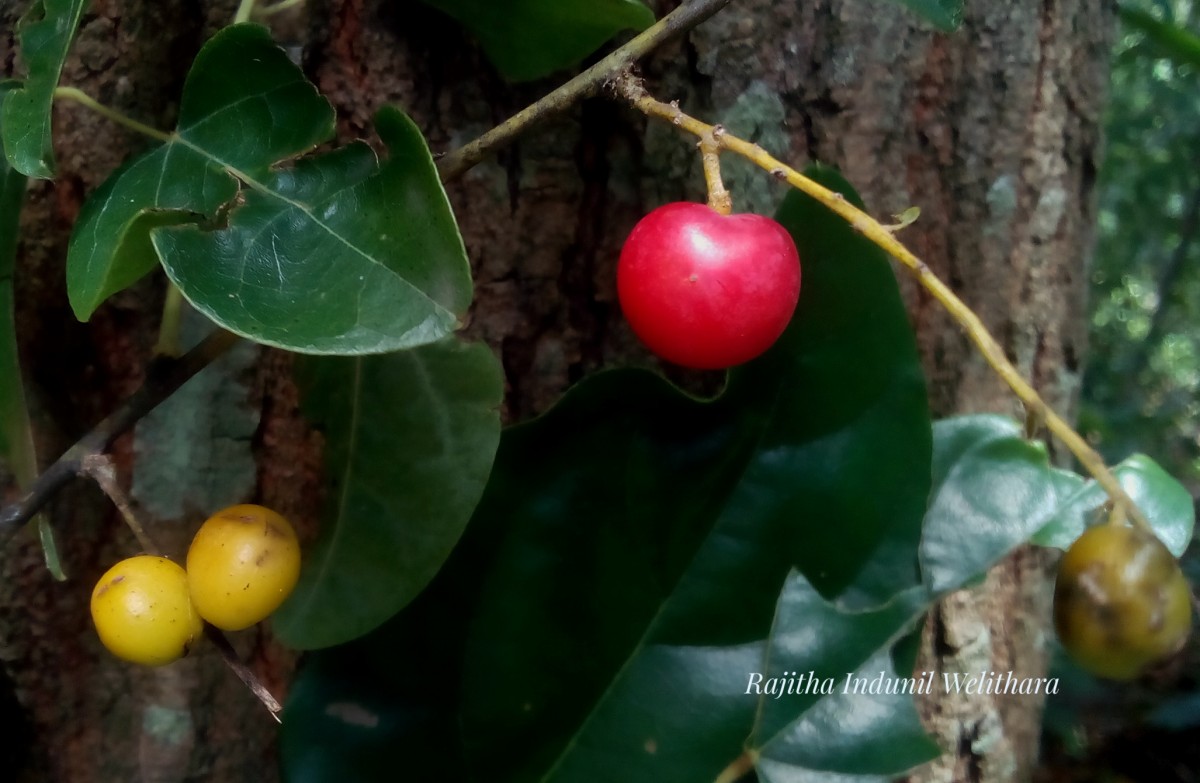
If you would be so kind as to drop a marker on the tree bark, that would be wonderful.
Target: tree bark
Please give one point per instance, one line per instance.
(993, 131)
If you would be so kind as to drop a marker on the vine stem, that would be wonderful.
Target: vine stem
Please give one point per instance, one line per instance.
(679, 21)
(738, 768)
(245, 9)
(632, 90)
(163, 377)
(82, 98)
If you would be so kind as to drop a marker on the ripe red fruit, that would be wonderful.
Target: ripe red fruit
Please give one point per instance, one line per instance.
(707, 290)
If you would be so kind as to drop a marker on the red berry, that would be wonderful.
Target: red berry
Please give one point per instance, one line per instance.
(706, 290)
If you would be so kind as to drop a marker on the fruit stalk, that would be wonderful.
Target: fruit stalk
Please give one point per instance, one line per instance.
(243, 672)
(710, 153)
(632, 90)
(99, 468)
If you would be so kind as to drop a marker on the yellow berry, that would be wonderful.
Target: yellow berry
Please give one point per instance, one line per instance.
(1121, 602)
(143, 613)
(242, 564)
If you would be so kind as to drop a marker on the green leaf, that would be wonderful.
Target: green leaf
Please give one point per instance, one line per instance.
(652, 532)
(946, 15)
(336, 255)
(410, 439)
(859, 418)
(844, 729)
(245, 106)
(45, 35)
(1177, 44)
(854, 734)
(1166, 503)
(992, 490)
(529, 39)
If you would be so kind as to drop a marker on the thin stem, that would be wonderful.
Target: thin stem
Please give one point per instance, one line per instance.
(710, 153)
(679, 21)
(738, 768)
(245, 9)
(275, 8)
(168, 330)
(81, 97)
(632, 90)
(243, 672)
(99, 467)
(163, 377)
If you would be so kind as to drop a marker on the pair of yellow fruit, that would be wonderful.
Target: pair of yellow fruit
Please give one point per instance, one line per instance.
(242, 564)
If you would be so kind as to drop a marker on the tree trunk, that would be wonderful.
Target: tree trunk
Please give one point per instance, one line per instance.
(992, 131)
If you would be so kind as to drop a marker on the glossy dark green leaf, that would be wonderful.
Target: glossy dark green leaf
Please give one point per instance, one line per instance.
(409, 442)
(528, 39)
(852, 415)
(992, 490)
(339, 254)
(1174, 42)
(1166, 503)
(946, 15)
(322, 258)
(840, 726)
(652, 532)
(45, 35)
(855, 734)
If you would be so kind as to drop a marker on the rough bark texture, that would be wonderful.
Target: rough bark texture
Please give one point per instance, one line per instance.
(992, 131)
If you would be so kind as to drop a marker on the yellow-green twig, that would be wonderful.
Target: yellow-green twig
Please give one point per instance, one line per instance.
(82, 98)
(275, 8)
(679, 21)
(168, 330)
(738, 768)
(632, 90)
(245, 9)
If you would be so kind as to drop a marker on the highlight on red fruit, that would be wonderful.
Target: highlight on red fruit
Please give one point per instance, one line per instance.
(706, 290)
